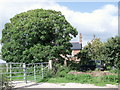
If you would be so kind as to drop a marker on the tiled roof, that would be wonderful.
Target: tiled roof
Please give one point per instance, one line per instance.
(76, 46)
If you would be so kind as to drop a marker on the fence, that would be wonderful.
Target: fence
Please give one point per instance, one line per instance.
(22, 71)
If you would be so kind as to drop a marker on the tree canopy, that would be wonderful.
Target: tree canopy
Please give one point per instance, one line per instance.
(112, 51)
(108, 51)
(36, 35)
(92, 51)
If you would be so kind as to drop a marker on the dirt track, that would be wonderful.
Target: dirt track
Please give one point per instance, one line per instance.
(21, 84)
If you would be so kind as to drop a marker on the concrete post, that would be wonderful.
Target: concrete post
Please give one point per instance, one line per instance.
(10, 71)
(50, 64)
(25, 73)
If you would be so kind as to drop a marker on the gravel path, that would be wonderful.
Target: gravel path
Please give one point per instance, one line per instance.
(21, 84)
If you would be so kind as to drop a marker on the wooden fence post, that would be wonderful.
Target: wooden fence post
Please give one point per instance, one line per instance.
(50, 64)
(25, 73)
(34, 73)
(10, 71)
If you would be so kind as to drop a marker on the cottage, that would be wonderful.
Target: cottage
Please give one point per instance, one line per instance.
(76, 47)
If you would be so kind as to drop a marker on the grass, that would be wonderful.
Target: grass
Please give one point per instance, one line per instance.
(63, 80)
(29, 78)
(84, 79)
(62, 76)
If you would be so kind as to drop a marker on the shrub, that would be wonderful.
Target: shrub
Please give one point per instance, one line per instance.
(73, 65)
(62, 71)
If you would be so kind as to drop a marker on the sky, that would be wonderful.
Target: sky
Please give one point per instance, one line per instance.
(89, 18)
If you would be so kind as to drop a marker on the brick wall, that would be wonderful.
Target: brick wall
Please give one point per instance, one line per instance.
(74, 52)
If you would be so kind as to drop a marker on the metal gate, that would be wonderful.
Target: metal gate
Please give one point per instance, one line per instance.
(24, 72)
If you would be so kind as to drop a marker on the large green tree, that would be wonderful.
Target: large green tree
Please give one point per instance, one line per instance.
(112, 52)
(108, 51)
(36, 36)
(94, 50)
(96, 47)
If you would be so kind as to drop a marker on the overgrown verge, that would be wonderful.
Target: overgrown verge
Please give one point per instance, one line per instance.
(62, 75)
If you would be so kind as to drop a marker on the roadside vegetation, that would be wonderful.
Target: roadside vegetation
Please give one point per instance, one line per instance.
(63, 74)
(41, 35)
(66, 75)
(5, 83)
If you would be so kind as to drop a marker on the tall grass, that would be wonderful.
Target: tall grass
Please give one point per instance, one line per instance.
(62, 76)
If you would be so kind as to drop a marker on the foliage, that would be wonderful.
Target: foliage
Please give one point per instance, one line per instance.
(84, 56)
(73, 65)
(60, 70)
(0, 52)
(103, 80)
(62, 75)
(114, 71)
(110, 78)
(84, 79)
(112, 52)
(92, 51)
(36, 36)
(109, 52)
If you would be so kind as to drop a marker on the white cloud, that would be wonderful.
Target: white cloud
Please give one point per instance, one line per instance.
(25, 1)
(102, 22)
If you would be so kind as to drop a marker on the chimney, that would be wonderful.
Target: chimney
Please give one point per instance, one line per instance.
(80, 38)
(94, 37)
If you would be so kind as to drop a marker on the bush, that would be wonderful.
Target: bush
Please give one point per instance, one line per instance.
(62, 71)
(57, 71)
(73, 65)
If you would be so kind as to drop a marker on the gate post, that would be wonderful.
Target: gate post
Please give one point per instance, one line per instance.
(25, 74)
(50, 64)
(34, 73)
(42, 68)
(10, 71)
(7, 67)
